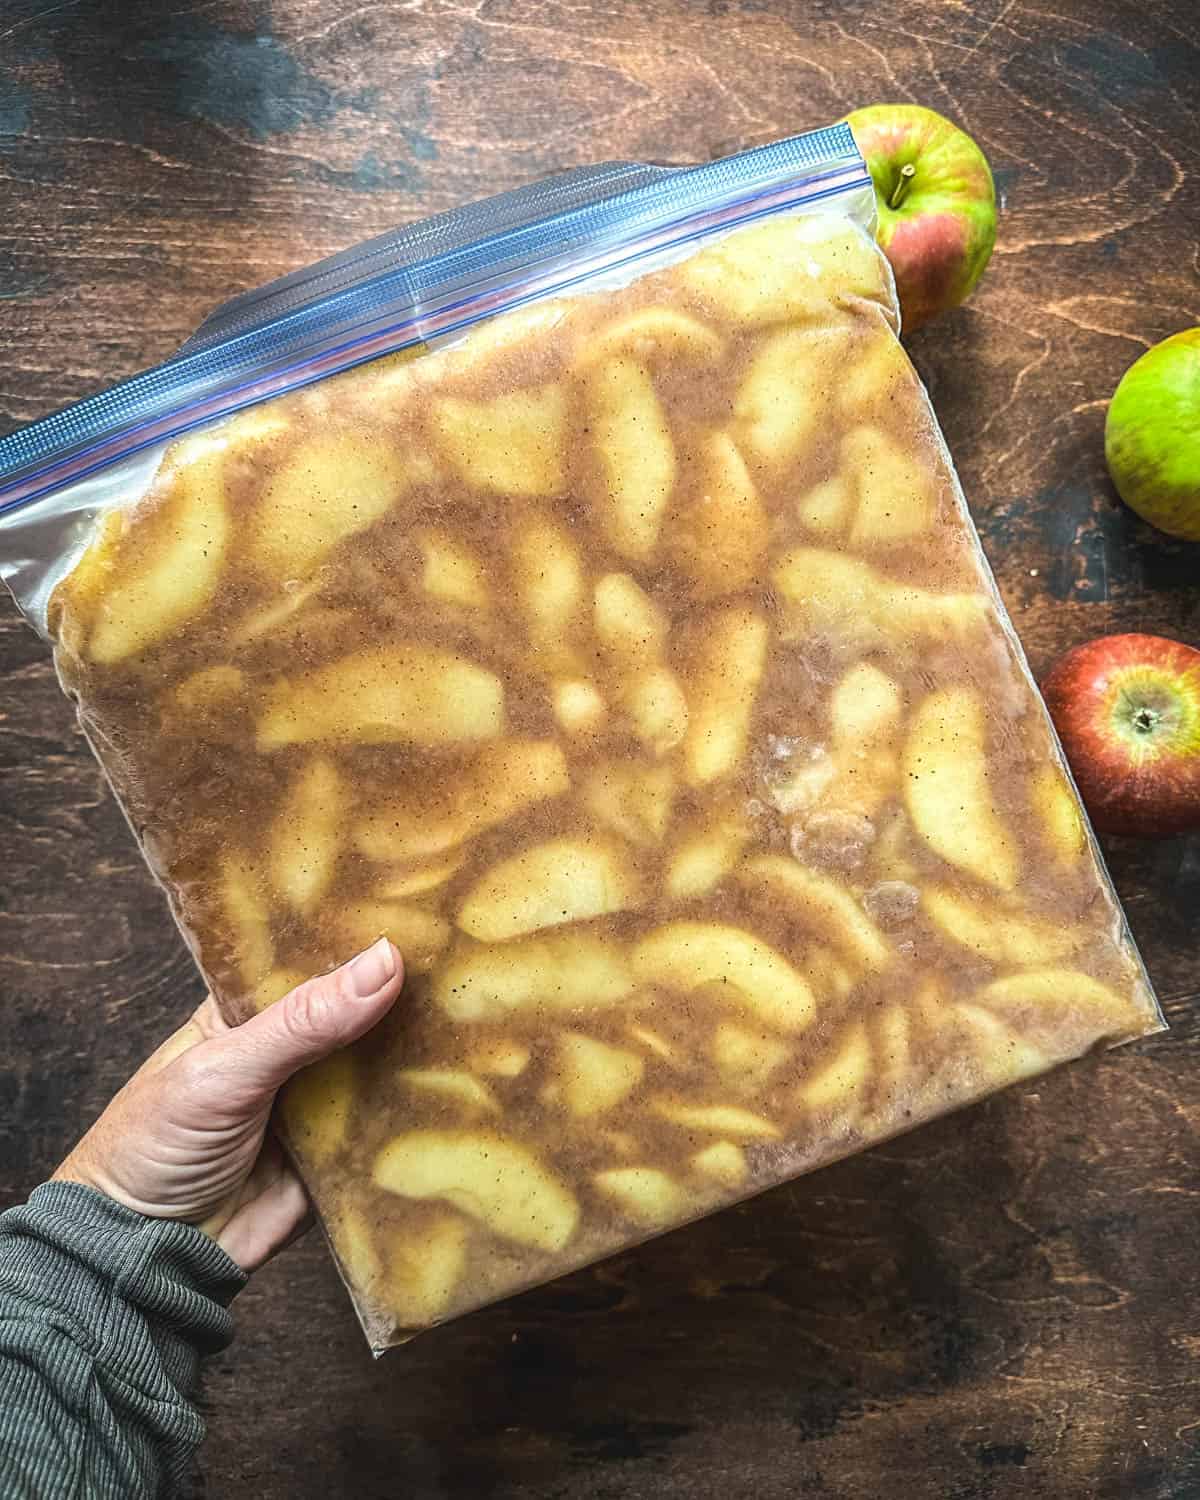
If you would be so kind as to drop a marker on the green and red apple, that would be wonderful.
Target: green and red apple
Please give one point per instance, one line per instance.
(1127, 709)
(936, 204)
(1152, 436)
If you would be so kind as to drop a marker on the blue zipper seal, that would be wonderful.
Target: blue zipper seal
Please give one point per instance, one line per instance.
(391, 293)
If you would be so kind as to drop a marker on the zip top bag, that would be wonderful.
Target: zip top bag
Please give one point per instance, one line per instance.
(576, 588)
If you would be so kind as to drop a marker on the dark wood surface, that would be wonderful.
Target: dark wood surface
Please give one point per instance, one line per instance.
(1004, 1304)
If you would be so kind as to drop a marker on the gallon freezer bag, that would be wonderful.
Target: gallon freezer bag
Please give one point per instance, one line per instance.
(577, 589)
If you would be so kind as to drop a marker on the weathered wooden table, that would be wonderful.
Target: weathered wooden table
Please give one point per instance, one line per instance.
(1004, 1304)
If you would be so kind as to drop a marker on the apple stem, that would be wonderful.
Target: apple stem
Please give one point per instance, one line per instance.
(907, 173)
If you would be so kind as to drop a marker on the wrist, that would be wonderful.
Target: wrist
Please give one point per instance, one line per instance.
(77, 1169)
(71, 1170)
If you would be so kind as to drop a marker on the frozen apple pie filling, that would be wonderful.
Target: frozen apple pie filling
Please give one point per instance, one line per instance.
(633, 665)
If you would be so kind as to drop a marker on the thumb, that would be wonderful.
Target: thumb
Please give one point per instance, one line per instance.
(315, 1019)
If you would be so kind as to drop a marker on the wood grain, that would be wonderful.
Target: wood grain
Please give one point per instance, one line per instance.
(1006, 1303)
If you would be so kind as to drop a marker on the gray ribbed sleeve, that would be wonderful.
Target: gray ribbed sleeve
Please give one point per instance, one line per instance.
(104, 1315)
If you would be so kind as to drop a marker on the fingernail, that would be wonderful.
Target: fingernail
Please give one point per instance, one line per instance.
(372, 969)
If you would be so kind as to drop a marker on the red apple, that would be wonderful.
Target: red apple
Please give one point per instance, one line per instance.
(936, 203)
(1127, 709)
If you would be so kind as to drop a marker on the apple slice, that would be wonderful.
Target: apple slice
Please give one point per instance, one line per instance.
(451, 572)
(704, 857)
(1056, 992)
(657, 1045)
(721, 1119)
(848, 786)
(560, 972)
(316, 1106)
(859, 772)
(880, 497)
(941, 617)
(893, 1048)
(722, 692)
(354, 1240)
(635, 454)
(274, 985)
(407, 693)
(420, 935)
(633, 800)
(865, 708)
(891, 853)
(632, 631)
(826, 973)
(74, 603)
(746, 1058)
(724, 1162)
(550, 585)
(653, 333)
(647, 1195)
(878, 378)
(730, 963)
(840, 1084)
(947, 792)
(306, 835)
(579, 707)
(451, 1086)
(595, 1076)
(827, 507)
(812, 782)
(421, 879)
(331, 486)
(155, 589)
(500, 1057)
(620, 1141)
(488, 1177)
(828, 592)
(1004, 1053)
(513, 443)
(502, 779)
(1000, 936)
(629, 625)
(657, 709)
(422, 1268)
(778, 410)
(209, 690)
(1056, 807)
(248, 916)
(897, 499)
(821, 904)
(787, 268)
(719, 537)
(563, 880)
(289, 607)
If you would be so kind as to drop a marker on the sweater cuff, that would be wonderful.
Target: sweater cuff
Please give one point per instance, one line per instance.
(81, 1259)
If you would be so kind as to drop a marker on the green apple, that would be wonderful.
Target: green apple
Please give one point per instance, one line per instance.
(936, 202)
(1152, 436)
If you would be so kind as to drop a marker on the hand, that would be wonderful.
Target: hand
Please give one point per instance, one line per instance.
(187, 1136)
